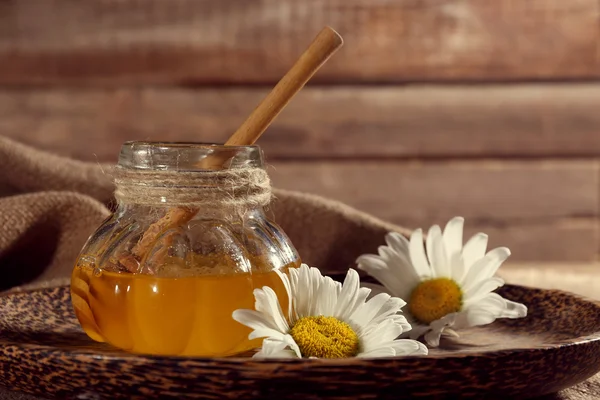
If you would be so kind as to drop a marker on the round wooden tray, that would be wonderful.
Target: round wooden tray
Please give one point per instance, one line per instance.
(43, 351)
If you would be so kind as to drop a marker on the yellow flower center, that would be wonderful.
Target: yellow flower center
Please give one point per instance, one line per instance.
(324, 337)
(433, 299)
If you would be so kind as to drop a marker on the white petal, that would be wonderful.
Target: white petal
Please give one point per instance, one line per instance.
(487, 310)
(371, 261)
(488, 300)
(400, 347)
(396, 260)
(513, 310)
(262, 325)
(432, 338)
(374, 341)
(369, 310)
(346, 303)
(457, 267)
(436, 253)
(444, 322)
(292, 344)
(390, 256)
(460, 320)
(406, 326)
(481, 289)
(379, 352)
(265, 333)
(474, 249)
(302, 290)
(297, 302)
(451, 332)
(398, 281)
(480, 317)
(438, 327)
(395, 272)
(397, 319)
(453, 236)
(407, 347)
(499, 255)
(293, 277)
(499, 307)
(392, 306)
(401, 267)
(287, 353)
(384, 332)
(270, 347)
(417, 254)
(275, 349)
(485, 267)
(389, 310)
(471, 278)
(268, 304)
(288, 288)
(397, 242)
(361, 298)
(314, 282)
(327, 298)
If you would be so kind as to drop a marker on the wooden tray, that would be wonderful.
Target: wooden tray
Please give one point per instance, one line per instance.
(43, 351)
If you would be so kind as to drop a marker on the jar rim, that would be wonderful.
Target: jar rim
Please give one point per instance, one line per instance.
(188, 156)
(164, 143)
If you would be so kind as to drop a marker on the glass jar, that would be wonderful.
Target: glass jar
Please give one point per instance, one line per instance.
(187, 245)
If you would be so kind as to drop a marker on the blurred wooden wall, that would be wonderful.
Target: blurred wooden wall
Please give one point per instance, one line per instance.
(489, 109)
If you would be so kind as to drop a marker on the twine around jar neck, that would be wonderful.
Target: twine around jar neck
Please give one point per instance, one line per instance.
(240, 188)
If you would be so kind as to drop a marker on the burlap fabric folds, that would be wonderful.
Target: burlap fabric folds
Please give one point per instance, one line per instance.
(49, 205)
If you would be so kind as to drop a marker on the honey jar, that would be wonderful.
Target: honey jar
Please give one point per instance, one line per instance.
(187, 245)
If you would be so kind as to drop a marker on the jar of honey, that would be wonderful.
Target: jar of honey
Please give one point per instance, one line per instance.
(187, 245)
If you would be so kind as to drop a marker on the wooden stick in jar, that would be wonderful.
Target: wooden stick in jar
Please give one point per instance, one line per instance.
(323, 46)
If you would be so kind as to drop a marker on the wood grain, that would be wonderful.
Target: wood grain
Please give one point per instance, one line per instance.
(527, 120)
(551, 240)
(541, 210)
(424, 193)
(226, 41)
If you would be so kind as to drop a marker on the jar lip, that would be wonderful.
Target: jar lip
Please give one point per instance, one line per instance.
(188, 156)
(175, 144)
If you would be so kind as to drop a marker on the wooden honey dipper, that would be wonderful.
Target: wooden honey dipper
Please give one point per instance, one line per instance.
(326, 43)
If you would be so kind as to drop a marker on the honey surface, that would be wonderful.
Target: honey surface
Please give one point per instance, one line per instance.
(188, 316)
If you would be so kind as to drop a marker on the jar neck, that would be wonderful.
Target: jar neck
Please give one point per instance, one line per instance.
(215, 213)
(198, 176)
(236, 188)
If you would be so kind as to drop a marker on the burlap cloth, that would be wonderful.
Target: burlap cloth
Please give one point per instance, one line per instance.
(50, 205)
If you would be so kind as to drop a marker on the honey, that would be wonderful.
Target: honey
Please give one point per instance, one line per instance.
(186, 246)
(185, 316)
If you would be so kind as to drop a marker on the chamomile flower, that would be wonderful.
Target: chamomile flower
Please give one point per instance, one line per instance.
(327, 319)
(447, 286)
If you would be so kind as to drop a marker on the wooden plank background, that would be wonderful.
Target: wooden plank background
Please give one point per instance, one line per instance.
(482, 108)
(207, 41)
(524, 120)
